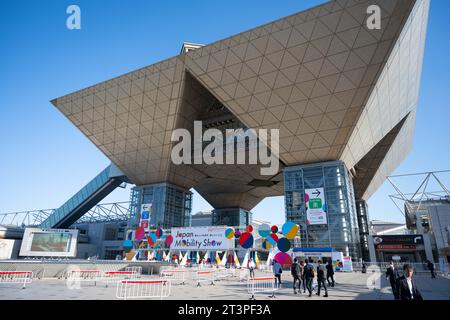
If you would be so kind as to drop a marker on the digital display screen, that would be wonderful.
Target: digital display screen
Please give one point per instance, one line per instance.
(37, 242)
(50, 242)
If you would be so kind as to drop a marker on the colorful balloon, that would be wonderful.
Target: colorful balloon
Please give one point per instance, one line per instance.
(127, 244)
(273, 239)
(246, 240)
(284, 259)
(128, 249)
(274, 229)
(169, 240)
(266, 244)
(290, 229)
(249, 228)
(229, 233)
(159, 232)
(237, 234)
(151, 239)
(139, 234)
(283, 244)
(264, 230)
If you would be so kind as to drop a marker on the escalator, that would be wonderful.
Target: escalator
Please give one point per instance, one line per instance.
(89, 196)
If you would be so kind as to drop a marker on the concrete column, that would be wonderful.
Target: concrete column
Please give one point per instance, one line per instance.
(372, 253)
(428, 248)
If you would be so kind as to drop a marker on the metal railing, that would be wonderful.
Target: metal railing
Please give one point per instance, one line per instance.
(141, 289)
(60, 268)
(103, 212)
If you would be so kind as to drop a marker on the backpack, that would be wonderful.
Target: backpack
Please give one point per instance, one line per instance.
(294, 269)
(309, 271)
(320, 272)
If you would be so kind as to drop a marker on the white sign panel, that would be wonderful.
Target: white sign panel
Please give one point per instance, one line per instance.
(146, 212)
(315, 206)
(200, 239)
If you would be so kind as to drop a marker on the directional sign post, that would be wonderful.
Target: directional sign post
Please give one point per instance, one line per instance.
(315, 206)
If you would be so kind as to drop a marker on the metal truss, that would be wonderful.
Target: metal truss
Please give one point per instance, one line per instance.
(430, 187)
(106, 212)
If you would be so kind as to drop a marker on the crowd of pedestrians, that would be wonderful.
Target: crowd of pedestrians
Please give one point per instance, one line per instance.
(304, 272)
(303, 275)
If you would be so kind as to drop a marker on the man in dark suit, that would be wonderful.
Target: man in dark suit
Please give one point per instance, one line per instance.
(330, 274)
(392, 276)
(407, 289)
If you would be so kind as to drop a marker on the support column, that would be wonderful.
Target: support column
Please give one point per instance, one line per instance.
(364, 231)
(171, 205)
(372, 252)
(332, 185)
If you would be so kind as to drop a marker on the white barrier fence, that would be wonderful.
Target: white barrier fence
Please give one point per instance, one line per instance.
(223, 273)
(84, 275)
(244, 274)
(22, 277)
(137, 270)
(205, 276)
(174, 275)
(261, 285)
(117, 276)
(141, 289)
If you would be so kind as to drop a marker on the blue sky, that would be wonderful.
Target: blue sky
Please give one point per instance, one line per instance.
(45, 159)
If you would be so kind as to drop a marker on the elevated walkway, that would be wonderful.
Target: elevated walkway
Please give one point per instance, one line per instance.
(90, 195)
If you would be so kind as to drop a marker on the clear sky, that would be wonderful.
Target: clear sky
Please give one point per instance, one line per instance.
(44, 159)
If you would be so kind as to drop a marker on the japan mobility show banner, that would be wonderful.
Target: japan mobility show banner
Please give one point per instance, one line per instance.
(315, 206)
(200, 238)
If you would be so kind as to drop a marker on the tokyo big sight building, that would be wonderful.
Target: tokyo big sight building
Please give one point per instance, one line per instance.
(344, 98)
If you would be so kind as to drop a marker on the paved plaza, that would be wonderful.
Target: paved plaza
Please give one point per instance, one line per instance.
(350, 286)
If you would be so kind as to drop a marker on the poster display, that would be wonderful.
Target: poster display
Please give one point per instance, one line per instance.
(315, 206)
(201, 238)
(347, 264)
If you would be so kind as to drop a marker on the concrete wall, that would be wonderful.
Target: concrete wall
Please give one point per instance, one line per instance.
(9, 248)
(440, 220)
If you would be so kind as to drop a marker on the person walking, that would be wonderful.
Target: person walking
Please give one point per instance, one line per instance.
(430, 266)
(392, 276)
(364, 267)
(251, 267)
(277, 270)
(296, 274)
(407, 286)
(309, 276)
(330, 274)
(302, 275)
(321, 278)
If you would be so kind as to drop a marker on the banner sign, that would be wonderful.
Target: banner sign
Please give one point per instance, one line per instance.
(146, 212)
(397, 241)
(201, 238)
(315, 206)
(396, 246)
